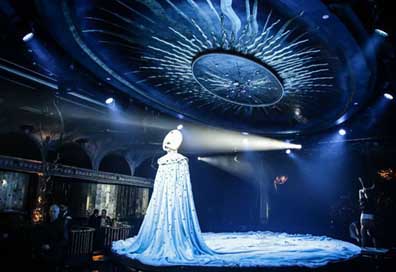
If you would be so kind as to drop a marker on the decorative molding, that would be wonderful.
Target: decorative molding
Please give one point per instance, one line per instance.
(58, 170)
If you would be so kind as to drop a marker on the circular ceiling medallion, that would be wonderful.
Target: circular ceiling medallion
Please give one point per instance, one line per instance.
(237, 79)
(258, 66)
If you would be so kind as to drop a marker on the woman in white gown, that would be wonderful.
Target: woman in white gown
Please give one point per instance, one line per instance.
(170, 232)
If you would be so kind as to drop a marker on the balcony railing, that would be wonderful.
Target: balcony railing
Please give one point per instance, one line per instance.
(59, 170)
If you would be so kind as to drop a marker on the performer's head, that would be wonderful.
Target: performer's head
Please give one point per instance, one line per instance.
(172, 141)
(54, 212)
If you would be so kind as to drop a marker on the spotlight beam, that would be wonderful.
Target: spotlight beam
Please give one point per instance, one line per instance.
(198, 138)
(202, 138)
(219, 140)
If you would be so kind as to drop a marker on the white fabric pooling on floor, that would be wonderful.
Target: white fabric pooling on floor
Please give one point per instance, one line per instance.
(264, 249)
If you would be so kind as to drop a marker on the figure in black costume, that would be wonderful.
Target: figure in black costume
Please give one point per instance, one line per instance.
(367, 207)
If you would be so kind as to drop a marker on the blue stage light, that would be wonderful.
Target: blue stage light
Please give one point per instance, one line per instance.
(109, 100)
(288, 151)
(381, 32)
(28, 37)
(342, 132)
(388, 96)
(179, 127)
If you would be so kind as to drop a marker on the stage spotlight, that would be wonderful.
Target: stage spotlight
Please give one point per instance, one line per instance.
(27, 37)
(180, 116)
(199, 158)
(388, 96)
(288, 151)
(342, 132)
(109, 100)
(180, 127)
(381, 32)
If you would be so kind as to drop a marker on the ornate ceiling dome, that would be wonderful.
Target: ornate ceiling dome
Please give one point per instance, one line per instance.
(259, 66)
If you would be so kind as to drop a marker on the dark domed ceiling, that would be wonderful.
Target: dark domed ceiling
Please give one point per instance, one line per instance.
(259, 66)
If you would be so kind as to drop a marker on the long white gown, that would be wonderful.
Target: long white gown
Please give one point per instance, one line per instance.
(170, 232)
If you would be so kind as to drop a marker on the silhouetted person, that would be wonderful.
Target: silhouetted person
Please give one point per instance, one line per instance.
(104, 219)
(94, 220)
(367, 207)
(66, 217)
(54, 240)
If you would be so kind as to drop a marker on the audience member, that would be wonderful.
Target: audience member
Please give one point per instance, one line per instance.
(54, 240)
(94, 220)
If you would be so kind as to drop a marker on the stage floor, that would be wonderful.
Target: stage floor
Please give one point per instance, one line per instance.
(257, 249)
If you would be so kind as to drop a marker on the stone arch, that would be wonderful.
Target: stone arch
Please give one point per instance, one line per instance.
(74, 154)
(115, 163)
